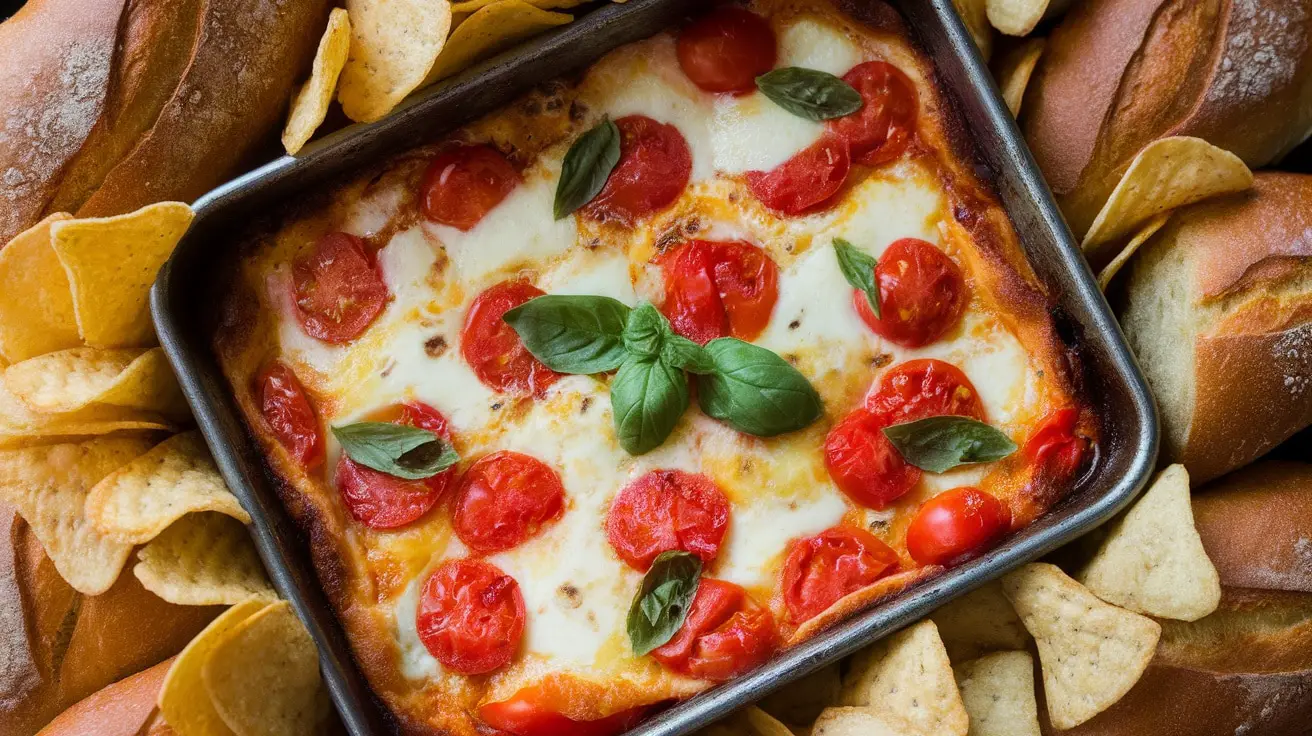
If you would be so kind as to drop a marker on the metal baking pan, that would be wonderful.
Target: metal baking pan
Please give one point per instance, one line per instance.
(183, 304)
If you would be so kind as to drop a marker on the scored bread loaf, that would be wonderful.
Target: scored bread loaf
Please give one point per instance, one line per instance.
(1119, 74)
(1218, 309)
(125, 708)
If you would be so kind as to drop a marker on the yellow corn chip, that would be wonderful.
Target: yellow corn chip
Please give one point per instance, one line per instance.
(49, 486)
(494, 27)
(907, 679)
(21, 427)
(1013, 71)
(1091, 652)
(998, 690)
(1143, 236)
(393, 46)
(1019, 17)
(1168, 173)
(202, 559)
(36, 303)
(311, 103)
(857, 722)
(137, 502)
(183, 698)
(111, 263)
(974, 14)
(800, 703)
(72, 379)
(978, 622)
(469, 6)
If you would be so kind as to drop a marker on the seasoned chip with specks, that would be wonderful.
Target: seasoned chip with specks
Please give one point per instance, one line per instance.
(998, 690)
(908, 680)
(202, 559)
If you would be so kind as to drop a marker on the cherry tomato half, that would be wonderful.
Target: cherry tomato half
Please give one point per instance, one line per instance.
(338, 289)
(529, 712)
(382, 501)
(718, 289)
(725, 634)
(464, 183)
(807, 181)
(821, 570)
(864, 464)
(882, 129)
(922, 294)
(922, 388)
(504, 499)
(1054, 448)
(667, 510)
(492, 348)
(956, 525)
(471, 616)
(289, 414)
(727, 49)
(654, 167)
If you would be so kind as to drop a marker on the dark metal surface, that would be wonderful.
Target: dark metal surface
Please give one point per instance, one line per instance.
(182, 309)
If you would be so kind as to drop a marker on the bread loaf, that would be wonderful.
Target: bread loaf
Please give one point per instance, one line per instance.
(126, 708)
(1119, 74)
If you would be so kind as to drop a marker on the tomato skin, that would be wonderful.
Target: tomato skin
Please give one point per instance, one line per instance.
(529, 713)
(883, 128)
(382, 501)
(289, 414)
(504, 499)
(492, 348)
(1054, 449)
(821, 570)
(471, 616)
(667, 510)
(654, 167)
(725, 634)
(464, 183)
(956, 525)
(727, 49)
(338, 289)
(864, 464)
(719, 289)
(925, 387)
(922, 294)
(806, 182)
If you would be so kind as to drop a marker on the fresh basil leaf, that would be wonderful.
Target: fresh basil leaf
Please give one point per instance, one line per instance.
(858, 268)
(586, 167)
(681, 352)
(572, 334)
(405, 452)
(645, 331)
(647, 398)
(809, 93)
(939, 444)
(755, 391)
(663, 600)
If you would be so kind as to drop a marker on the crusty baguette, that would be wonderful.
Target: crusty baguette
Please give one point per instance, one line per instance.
(1119, 74)
(125, 708)
(1218, 308)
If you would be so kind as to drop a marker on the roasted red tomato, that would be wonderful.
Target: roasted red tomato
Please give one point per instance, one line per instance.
(338, 289)
(924, 388)
(667, 510)
(823, 569)
(922, 294)
(725, 634)
(290, 416)
(653, 169)
(727, 49)
(471, 616)
(956, 525)
(882, 129)
(718, 289)
(1054, 448)
(530, 712)
(864, 464)
(382, 501)
(464, 183)
(805, 182)
(493, 349)
(504, 499)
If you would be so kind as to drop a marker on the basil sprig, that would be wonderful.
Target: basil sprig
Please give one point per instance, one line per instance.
(572, 334)
(939, 444)
(647, 398)
(586, 167)
(663, 600)
(858, 268)
(755, 391)
(409, 453)
(809, 93)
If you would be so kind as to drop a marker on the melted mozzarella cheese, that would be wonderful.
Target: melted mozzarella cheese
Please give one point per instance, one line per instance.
(813, 45)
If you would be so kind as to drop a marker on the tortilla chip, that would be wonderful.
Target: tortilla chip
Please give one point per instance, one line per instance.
(72, 379)
(183, 698)
(202, 559)
(800, 703)
(1153, 562)
(49, 485)
(1013, 71)
(468, 7)
(111, 263)
(1019, 17)
(1168, 173)
(393, 46)
(1143, 236)
(36, 303)
(998, 690)
(496, 26)
(857, 722)
(1091, 652)
(21, 427)
(263, 676)
(908, 680)
(310, 106)
(141, 499)
(979, 622)
(974, 15)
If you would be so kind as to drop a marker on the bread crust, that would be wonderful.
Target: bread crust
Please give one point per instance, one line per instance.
(122, 709)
